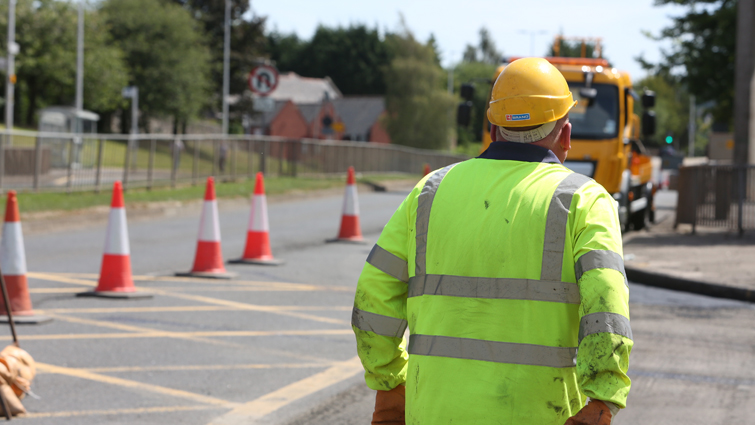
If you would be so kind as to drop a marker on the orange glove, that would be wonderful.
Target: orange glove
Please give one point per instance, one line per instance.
(390, 407)
(595, 413)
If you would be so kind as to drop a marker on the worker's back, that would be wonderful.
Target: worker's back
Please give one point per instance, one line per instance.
(481, 285)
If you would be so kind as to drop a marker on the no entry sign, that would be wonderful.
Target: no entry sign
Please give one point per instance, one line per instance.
(263, 79)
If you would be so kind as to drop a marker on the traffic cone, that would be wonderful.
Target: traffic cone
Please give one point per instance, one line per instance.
(115, 274)
(350, 230)
(208, 261)
(257, 250)
(426, 170)
(13, 265)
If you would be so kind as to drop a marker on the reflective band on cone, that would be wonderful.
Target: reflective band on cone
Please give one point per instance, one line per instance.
(257, 249)
(13, 265)
(350, 230)
(208, 261)
(115, 274)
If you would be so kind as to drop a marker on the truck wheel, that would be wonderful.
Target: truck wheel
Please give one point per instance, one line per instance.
(640, 219)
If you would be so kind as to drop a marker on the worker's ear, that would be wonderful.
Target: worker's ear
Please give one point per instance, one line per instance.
(493, 133)
(564, 139)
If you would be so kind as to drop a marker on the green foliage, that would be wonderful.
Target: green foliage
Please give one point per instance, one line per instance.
(485, 51)
(354, 57)
(247, 39)
(46, 67)
(480, 74)
(166, 54)
(419, 108)
(702, 55)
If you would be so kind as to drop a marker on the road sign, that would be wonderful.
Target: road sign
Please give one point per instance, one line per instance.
(338, 127)
(263, 79)
(263, 104)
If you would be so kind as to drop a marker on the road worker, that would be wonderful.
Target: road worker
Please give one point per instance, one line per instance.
(508, 271)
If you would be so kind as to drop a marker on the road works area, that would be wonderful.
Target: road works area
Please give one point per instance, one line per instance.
(274, 344)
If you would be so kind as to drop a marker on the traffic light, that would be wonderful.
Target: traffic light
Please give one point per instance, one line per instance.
(669, 139)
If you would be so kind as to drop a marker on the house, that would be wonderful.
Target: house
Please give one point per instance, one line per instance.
(314, 108)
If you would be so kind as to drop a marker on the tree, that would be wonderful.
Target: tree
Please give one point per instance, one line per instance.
(354, 57)
(418, 106)
(702, 55)
(46, 32)
(485, 51)
(166, 54)
(248, 40)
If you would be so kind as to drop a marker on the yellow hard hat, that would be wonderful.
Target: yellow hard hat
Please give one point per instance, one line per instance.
(529, 92)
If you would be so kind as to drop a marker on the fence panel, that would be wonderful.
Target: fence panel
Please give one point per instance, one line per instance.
(717, 196)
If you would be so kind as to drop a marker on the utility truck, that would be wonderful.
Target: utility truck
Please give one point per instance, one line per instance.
(606, 134)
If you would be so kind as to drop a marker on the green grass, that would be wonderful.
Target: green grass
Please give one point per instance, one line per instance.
(37, 202)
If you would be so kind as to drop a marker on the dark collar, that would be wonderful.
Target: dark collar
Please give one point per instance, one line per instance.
(512, 151)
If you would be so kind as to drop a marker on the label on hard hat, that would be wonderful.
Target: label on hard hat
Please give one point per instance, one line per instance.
(517, 117)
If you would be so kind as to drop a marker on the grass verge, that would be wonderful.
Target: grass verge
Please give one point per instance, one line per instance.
(56, 201)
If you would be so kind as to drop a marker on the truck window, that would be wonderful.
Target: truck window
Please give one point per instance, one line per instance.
(599, 120)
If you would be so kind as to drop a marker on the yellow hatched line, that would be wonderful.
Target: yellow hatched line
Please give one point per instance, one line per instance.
(169, 368)
(135, 411)
(138, 329)
(161, 334)
(83, 374)
(179, 309)
(268, 403)
(203, 299)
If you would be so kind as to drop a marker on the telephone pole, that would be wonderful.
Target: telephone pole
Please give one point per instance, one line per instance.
(744, 139)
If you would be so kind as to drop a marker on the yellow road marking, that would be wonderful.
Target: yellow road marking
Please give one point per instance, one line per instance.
(273, 401)
(250, 307)
(83, 374)
(207, 300)
(138, 329)
(53, 291)
(136, 411)
(168, 368)
(161, 334)
(195, 308)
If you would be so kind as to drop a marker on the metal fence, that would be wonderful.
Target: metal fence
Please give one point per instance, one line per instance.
(62, 161)
(717, 196)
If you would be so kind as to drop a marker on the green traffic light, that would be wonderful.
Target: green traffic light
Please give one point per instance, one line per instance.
(669, 139)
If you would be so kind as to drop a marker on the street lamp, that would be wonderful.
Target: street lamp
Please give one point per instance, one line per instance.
(533, 34)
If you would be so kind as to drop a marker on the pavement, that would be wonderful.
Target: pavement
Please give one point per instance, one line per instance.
(712, 261)
(274, 346)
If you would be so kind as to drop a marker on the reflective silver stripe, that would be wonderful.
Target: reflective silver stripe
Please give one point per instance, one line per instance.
(555, 225)
(424, 203)
(388, 263)
(377, 323)
(599, 259)
(604, 322)
(493, 288)
(492, 351)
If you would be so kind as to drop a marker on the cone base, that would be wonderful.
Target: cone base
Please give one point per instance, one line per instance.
(209, 275)
(33, 319)
(258, 261)
(355, 240)
(115, 294)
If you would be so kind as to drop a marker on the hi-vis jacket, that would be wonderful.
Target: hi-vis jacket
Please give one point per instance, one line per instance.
(508, 271)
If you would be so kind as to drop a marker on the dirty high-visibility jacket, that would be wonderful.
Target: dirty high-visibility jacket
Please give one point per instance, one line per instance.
(508, 271)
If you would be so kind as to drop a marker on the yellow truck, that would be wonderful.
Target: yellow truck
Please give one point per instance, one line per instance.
(606, 135)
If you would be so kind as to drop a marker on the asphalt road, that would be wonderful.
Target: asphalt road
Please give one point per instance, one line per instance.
(274, 345)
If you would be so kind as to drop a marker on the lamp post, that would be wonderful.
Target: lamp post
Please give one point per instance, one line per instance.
(226, 64)
(532, 35)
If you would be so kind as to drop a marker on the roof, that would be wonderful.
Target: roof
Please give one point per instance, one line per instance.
(265, 118)
(309, 110)
(304, 89)
(359, 113)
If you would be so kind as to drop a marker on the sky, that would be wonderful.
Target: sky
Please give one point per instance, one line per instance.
(457, 23)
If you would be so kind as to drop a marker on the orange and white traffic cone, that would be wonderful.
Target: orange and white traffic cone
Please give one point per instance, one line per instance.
(257, 250)
(208, 261)
(13, 265)
(426, 170)
(115, 274)
(350, 230)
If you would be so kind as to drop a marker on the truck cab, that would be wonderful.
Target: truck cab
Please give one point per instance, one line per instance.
(606, 134)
